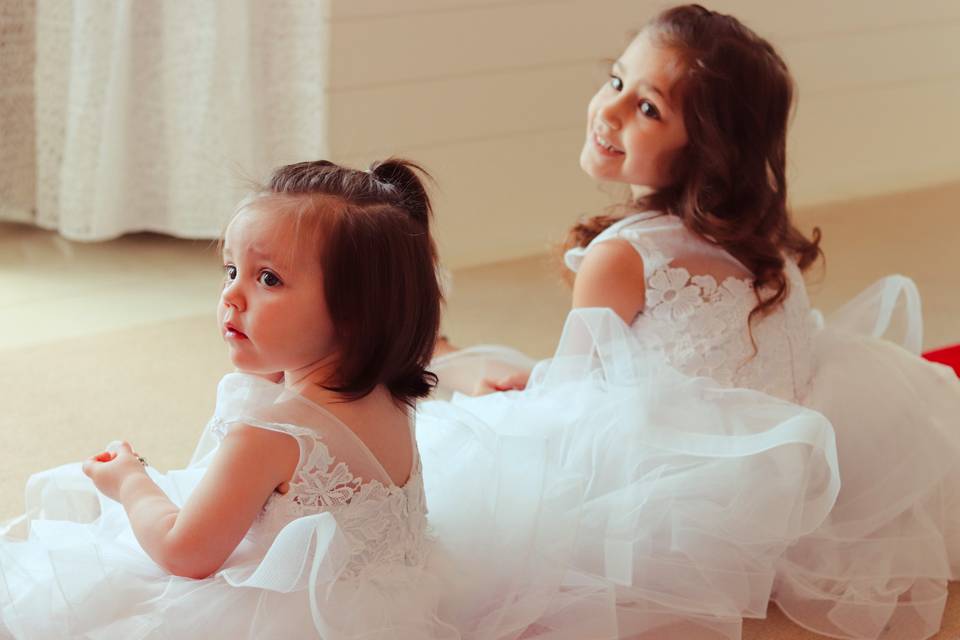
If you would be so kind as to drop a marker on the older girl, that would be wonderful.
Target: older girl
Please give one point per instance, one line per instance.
(703, 271)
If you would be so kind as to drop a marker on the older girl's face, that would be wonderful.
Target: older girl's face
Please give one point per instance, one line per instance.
(272, 311)
(635, 121)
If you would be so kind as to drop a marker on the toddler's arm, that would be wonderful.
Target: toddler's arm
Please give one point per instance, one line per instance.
(196, 540)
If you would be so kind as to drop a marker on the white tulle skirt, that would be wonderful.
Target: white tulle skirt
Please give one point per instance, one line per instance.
(689, 507)
(629, 499)
(614, 498)
(878, 565)
(80, 573)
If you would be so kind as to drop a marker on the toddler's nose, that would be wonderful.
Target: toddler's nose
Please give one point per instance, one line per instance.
(232, 296)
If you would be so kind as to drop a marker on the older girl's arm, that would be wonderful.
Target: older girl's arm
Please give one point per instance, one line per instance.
(612, 276)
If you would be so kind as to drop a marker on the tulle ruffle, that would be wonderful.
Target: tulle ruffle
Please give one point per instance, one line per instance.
(690, 519)
(617, 497)
(80, 573)
(878, 565)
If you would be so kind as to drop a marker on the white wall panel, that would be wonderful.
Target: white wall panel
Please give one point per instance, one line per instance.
(500, 199)
(783, 20)
(868, 142)
(347, 10)
(851, 63)
(403, 47)
(491, 96)
(427, 113)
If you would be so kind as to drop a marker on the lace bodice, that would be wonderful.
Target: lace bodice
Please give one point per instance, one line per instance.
(697, 303)
(381, 522)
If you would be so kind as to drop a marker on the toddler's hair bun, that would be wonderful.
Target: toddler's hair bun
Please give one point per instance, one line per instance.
(403, 176)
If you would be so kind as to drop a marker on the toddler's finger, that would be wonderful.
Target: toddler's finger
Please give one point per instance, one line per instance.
(118, 446)
(485, 386)
(508, 384)
(87, 466)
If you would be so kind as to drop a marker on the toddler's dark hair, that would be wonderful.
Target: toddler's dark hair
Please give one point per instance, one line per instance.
(379, 266)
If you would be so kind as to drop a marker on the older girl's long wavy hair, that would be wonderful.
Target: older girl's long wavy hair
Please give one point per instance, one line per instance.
(728, 185)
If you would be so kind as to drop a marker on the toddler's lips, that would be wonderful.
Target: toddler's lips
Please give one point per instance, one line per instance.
(231, 332)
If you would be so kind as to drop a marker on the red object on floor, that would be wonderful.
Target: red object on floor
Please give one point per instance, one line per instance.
(949, 356)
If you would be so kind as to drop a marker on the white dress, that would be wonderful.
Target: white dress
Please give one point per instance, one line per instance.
(341, 555)
(816, 469)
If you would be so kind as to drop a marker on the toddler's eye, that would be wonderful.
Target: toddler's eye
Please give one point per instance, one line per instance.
(230, 271)
(269, 279)
(616, 83)
(648, 109)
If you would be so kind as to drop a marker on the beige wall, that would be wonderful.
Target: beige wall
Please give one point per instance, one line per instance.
(490, 96)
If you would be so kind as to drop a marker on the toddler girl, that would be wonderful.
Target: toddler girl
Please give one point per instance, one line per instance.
(702, 284)
(329, 307)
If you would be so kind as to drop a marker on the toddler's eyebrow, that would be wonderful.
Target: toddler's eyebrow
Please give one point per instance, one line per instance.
(260, 253)
(253, 250)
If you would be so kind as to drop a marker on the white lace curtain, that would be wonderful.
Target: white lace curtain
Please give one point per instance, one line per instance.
(141, 115)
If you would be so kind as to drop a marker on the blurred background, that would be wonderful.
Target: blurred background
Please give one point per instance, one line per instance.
(129, 129)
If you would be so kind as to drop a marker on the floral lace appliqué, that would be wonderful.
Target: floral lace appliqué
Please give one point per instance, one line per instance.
(671, 295)
(702, 328)
(382, 523)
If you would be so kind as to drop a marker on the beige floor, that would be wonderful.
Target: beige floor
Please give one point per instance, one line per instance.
(118, 340)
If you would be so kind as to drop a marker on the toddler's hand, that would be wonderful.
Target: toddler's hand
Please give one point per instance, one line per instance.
(443, 346)
(109, 469)
(515, 382)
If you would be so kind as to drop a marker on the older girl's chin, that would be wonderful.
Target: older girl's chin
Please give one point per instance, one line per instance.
(589, 165)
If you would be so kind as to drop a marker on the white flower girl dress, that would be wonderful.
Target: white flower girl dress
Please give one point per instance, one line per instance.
(341, 555)
(813, 463)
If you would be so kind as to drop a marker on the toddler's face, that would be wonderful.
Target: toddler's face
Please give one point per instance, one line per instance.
(272, 311)
(635, 121)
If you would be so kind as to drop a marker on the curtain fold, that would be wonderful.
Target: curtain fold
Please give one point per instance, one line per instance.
(18, 174)
(156, 116)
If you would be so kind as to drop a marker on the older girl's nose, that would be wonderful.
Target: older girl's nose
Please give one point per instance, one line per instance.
(610, 111)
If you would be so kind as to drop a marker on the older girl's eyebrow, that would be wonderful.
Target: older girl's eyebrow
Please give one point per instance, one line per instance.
(646, 85)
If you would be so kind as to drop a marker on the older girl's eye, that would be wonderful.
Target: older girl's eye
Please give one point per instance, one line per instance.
(269, 279)
(648, 109)
(616, 83)
(230, 271)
